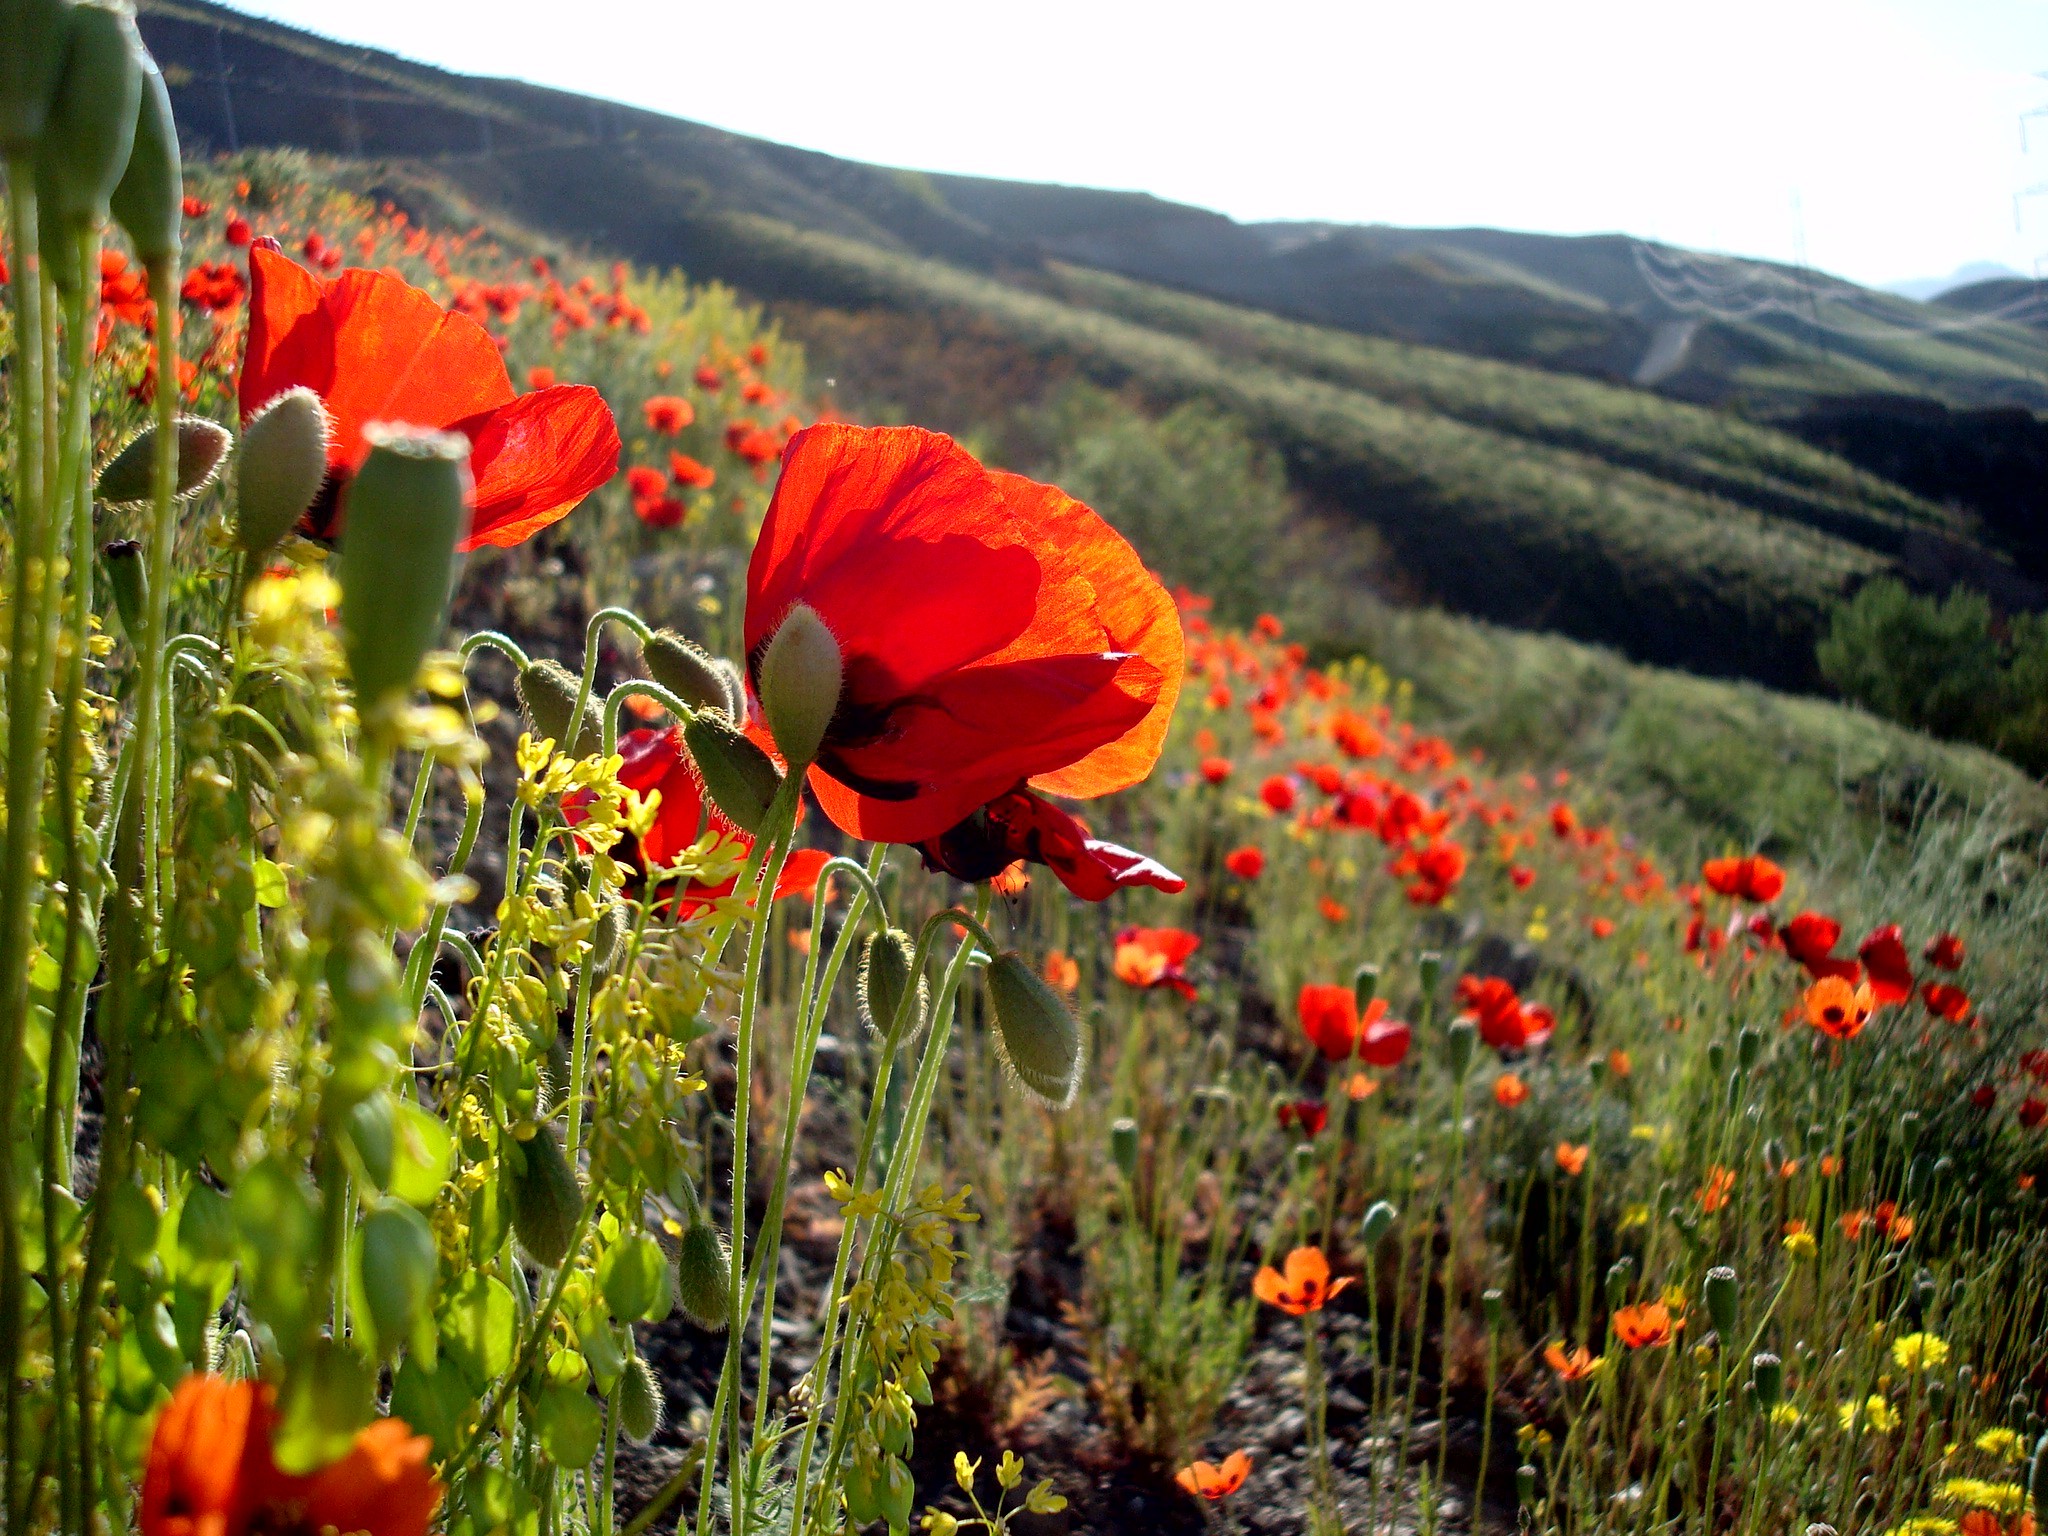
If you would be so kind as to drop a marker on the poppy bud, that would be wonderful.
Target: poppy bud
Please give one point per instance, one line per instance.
(2037, 1482)
(1492, 1305)
(129, 577)
(1767, 1374)
(740, 778)
(1304, 1159)
(91, 127)
(639, 1402)
(704, 1275)
(407, 507)
(1721, 1300)
(687, 671)
(1774, 1157)
(799, 682)
(608, 942)
(149, 200)
(1463, 1039)
(130, 475)
(1749, 1045)
(1218, 1050)
(1619, 1274)
(1431, 966)
(547, 693)
(1717, 1057)
(547, 1202)
(238, 1357)
(1036, 1034)
(283, 464)
(884, 978)
(33, 39)
(1379, 1220)
(398, 1261)
(1909, 1128)
(1123, 1147)
(1365, 984)
(1525, 1484)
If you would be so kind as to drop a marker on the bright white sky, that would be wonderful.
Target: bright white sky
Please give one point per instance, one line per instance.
(1887, 130)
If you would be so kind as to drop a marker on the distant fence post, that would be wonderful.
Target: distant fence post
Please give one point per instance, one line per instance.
(227, 99)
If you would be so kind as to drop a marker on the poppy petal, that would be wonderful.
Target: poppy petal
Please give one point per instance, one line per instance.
(382, 1485)
(535, 458)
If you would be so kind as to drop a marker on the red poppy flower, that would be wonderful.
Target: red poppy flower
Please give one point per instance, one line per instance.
(1647, 1326)
(669, 414)
(1330, 1019)
(995, 634)
(210, 1472)
(661, 511)
(1205, 1480)
(214, 286)
(1305, 1287)
(1215, 769)
(196, 208)
(376, 348)
(1155, 957)
(1754, 878)
(708, 377)
(1505, 1022)
(1838, 1008)
(687, 471)
(1246, 863)
(1883, 954)
(1944, 952)
(656, 760)
(1946, 1002)
(645, 483)
(2032, 1111)
(1020, 825)
(1310, 1114)
(1810, 938)
(540, 376)
(236, 231)
(1278, 793)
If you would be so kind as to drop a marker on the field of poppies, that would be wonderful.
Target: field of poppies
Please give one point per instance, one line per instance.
(588, 945)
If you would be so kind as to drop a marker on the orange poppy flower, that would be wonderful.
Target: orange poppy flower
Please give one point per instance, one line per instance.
(1062, 972)
(1576, 1365)
(1645, 1326)
(1305, 1287)
(668, 414)
(1620, 1063)
(1155, 957)
(210, 1472)
(1509, 1091)
(1837, 1009)
(997, 638)
(375, 348)
(1207, 1481)
(1329, 1017)
(1754, 878)
(1358, 1087)
(1572, 1159)
(1713, 1195)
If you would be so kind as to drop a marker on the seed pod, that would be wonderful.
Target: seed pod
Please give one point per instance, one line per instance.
(1619, 1274)
(1774, 1157)
(895, 1491)
(884, 979)
(128, 576)
(1365, 985)
(407, 507)
(740, 778)
(34, 37)
(799, 682)
(1123, 1147)
(1493, 1306)
(608, 942)
(1461, 1039)
(149, 200)
(1767, 1375)
(1379, 1220)
(704, 1275)
(547, 693)
(687, 671)
(1717, 1057)
(282, 467)
(91, 127)
(398, 1266)
(1525, 1484)
(1722, 1297)
(130, 475)
(1036, 1034)
(1749, 1046)
(547, 1202)
(639, 1402)
(1431, 966)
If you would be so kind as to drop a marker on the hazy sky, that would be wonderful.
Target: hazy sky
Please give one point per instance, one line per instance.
(1883, 134)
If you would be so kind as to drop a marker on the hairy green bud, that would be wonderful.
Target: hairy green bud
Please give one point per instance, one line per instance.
(1037, 1036)
(740, 778)
(283, 465)
(547, 694)
(639, 1402)
(130, 475)
(884, 979)
(704, 1275)
(688, 672)
(800, 678)
(408, 507)
(547, 1202)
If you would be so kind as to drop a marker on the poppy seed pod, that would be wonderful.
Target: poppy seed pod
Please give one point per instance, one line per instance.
(547, 694)
(283, 464)
(704, 1275)
(2037, 1482)
(130, 475)
(91, 128)
(1721, 1295)
(398, 1261)
(1494, 1307)
(884, 978)
(149, 199)
(547, 1202)
(1123, 1147)
(687, 671)
(407, 508)
(1767, 1374)
(1749, 1045)
(1379, 1220)
(128, 576)
(800, 676)
(1365, 985)
(639, 1402)
(740, 778)
(33, 40)
(1036, 1034)
(1463, 1039)
(1525, 1484)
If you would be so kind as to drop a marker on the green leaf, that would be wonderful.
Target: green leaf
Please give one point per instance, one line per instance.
(328, 1396)
(565, 1418)
(480, 1328)
(272, 889)
(631, 1275)
(422, 1152)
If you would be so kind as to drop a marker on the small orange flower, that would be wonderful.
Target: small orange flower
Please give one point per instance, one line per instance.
(669, 414)
(1572, 1159)
(1305, 1287)
(1646, 1326)
(1509, 1091)
(1830, 1165)
(1208, 1481)
(1854, 1224)
(1062, 972)
(1361, 1087)
(1837, 1009)
(1575, 1366)
(1795, 1228)
(1333, 911)
(1620, 1063)
(1713, 1195)
(1155, 957)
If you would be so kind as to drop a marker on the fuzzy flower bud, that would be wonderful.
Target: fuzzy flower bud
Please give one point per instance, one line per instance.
(1036, 1034)
(130, 475)
(128, 576)
(740, 778)
(704, 1275)
(639, 1402)
(547, 1202)
(689, 673)
(1365, 985)
(884, 979)
(283, 463)
(800, 677)
(1767, 1374)
(1123, 1147)
(407, 508)
(547, 694)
